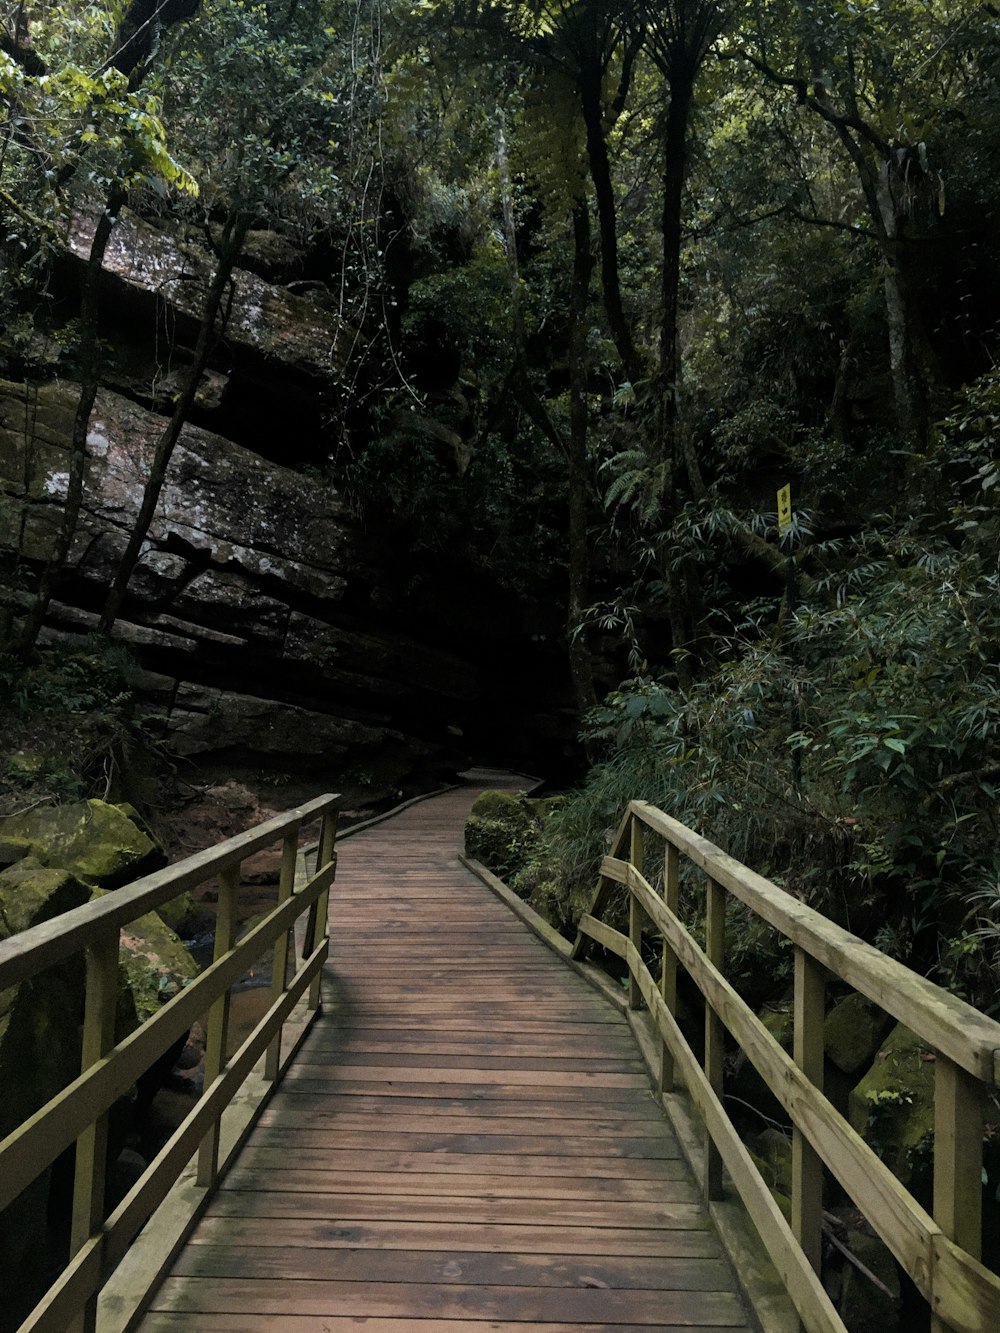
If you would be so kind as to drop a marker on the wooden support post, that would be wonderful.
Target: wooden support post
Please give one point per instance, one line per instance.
(92, 1146)
(279, 970)
(959, 1102)
(319, 917)
(715, 930)
(218, 1017)
(808, 1053)
(635, 913)
(668, 972)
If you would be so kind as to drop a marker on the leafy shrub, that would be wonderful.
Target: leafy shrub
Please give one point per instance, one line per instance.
(851, 758)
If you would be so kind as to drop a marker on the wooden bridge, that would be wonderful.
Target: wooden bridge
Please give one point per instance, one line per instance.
(468, 1137)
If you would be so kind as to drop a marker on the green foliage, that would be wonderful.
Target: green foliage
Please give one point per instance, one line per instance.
(68, 723)
(852, 760)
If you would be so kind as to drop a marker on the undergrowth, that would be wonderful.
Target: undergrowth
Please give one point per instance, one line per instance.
(68, 725)
(851, 756)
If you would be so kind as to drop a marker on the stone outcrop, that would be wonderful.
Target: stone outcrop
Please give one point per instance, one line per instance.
(251, 609)
(267, 320)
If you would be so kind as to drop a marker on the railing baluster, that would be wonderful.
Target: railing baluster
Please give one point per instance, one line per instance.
(279, 970)
(808, 1052)
(218, 1017)
(715, 930)
(318, 924)
(635, 913)
(668, 973)
(92, 1146)
(959, 1103)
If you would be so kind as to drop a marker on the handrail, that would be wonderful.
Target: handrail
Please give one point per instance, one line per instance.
(79, 1113)
(941, 1253)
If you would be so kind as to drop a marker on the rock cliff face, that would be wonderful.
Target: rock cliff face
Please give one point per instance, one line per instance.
(273, 629)
(248, 606)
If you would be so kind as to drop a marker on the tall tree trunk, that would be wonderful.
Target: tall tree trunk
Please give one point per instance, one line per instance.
(233, 236)
(90, 306)
(581, 669)
(909, 355)
(674, 174)
(591, 84)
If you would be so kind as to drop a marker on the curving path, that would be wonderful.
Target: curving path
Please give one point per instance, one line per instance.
(466, 1141)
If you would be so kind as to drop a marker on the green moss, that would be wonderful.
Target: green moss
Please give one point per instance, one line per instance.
(853, 1031)
(892, 1107)
(97, 842)
(502, 832)
(155, 965)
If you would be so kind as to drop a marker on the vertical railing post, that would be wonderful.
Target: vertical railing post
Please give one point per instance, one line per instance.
(100, 1007)
(279, 970)
(959, 1102)
(668, 968)
(635, 912)
(319, 916)
(808, 1053)
(218, 1017)
(715, 931)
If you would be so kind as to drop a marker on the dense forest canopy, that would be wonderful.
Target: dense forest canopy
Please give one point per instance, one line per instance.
(606, 275)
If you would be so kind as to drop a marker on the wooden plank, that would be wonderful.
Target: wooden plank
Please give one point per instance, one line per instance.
(577, 1079)
(428, 1300)
(487, 1186)
(467, 1158)
(445, 1268)
(496, 1115)
(277, 1203)
(698, 1240)
(180, 1322)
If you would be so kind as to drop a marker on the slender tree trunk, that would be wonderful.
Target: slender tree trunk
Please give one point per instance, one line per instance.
(674, 174)
(90, 305)
(232, 240)
(581, 669)
(909, 355)
(591, 82)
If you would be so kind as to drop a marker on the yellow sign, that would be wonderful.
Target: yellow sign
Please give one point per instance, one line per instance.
(784, 510)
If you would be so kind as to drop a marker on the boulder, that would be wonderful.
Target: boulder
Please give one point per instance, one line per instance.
(853, 1032)
(892, 1106)
(98, 843)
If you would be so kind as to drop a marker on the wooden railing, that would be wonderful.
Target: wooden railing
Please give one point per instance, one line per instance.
(940, 1253)
(79, 1114)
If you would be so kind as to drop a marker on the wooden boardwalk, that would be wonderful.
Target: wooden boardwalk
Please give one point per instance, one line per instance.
(467, 1140)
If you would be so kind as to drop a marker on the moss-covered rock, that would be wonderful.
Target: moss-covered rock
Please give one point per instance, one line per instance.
(96, 842)
(853, 1032)
(892, 1107)
(501, 831)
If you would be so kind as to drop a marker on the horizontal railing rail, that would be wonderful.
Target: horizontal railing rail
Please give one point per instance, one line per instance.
(78, 1115)
(941, 1252)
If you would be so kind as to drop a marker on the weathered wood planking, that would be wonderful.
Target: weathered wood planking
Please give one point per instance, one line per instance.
(466, 1140)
